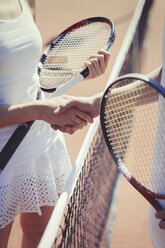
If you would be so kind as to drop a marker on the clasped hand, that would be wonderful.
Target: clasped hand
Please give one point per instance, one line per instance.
(70, 113)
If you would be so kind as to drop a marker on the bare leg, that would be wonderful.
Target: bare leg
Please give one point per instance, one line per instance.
(33, 226)
(4, 235)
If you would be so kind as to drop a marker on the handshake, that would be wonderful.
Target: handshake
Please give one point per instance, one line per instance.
(69, 113)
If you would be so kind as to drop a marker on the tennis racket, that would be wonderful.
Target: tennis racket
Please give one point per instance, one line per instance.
(133, 123)
(62, 66)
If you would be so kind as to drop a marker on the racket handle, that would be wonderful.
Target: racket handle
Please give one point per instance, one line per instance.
(85, 72)
(65, 87)
(13, 143)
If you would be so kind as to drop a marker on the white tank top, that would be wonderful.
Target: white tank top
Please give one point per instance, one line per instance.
(20, 48)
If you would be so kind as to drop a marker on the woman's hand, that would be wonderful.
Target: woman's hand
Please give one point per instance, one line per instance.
(50, 111)
(89, 105)
(97, 64)
(74, 120)
(74, 113)
(61, 113)
(71, 120)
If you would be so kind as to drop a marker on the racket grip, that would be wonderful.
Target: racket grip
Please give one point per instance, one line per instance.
(13, 143)
(85, 72)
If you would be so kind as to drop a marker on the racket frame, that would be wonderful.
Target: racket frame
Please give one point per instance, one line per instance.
(84, 73)
(150, 196)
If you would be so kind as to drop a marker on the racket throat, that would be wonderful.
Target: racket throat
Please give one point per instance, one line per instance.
(146, 194)
(68, 85)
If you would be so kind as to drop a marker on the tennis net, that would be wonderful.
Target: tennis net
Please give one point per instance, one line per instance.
(83, 216)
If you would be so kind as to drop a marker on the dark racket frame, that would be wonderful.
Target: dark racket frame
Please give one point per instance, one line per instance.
(147, 194)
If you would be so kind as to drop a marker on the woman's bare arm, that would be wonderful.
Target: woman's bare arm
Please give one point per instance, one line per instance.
(45, 110)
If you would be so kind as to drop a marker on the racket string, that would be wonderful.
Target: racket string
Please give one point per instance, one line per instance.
(68, 56)
(132, 128)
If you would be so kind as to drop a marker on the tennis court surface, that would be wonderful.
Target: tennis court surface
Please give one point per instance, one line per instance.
(128, 217)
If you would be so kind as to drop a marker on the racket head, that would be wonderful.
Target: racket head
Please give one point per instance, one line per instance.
(65, 56)
(131, 116)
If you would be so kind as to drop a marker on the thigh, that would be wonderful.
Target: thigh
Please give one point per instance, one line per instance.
(4, 235)
(32, 222)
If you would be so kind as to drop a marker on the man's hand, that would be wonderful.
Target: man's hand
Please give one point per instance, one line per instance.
(161, 215)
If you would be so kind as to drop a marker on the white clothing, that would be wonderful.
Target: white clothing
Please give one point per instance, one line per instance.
(39, 168)
(156, 234)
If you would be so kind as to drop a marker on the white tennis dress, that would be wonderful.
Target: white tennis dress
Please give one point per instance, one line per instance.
(38, 170)
(156, 234)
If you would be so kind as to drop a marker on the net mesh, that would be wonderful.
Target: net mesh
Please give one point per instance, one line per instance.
(86, 217)
(84, 213)
(133, 123)
(68, 55)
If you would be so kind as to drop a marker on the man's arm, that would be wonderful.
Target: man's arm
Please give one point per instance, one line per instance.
(156, 74)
